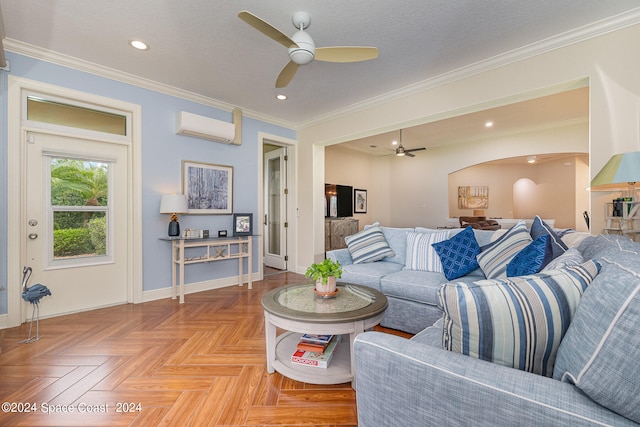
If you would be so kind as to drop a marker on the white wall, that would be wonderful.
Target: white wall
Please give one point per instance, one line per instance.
(609, 61)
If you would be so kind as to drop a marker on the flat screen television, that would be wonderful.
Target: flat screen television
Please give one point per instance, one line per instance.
(338, 200)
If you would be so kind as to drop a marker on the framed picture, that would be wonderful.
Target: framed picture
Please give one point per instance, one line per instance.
(359, 201)
(473, 197)
(242, 224)
(209, 188)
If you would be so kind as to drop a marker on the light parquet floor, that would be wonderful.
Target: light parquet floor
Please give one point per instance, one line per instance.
(201, 363)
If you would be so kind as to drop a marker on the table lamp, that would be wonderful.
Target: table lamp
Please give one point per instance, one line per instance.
(621, 172)
(174, 204)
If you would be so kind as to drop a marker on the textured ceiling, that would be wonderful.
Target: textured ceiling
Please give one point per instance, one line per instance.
(202, 47)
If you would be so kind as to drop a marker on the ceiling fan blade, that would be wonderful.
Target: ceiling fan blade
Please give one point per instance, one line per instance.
(346, 53)
(407, 154)
(286, 74)
(267, 29)
(414, 149)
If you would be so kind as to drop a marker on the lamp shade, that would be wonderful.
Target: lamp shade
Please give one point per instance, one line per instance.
(620, 171)
(173, 203)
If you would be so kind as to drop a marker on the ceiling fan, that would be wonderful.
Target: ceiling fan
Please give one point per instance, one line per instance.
(401, 151)
(302, 50)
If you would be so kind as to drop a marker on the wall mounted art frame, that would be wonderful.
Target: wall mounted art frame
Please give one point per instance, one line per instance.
(473, 197)
(359, 201)
(242, 224)
(208, 187)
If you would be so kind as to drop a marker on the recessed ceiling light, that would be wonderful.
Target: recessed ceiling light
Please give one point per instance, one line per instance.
(394, 142)
(488, 124)
(532, 159)
(139, 44)
(281, 97)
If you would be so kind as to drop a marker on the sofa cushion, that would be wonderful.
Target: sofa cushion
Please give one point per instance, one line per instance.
(397, 240)
(599, 351)
(541, 228)
(495, 256)
(517, 322)
(368, 274)
(532, 258)
(412, 285)
(572, 256)
(458, 254)
(368, 245)
(420, 254)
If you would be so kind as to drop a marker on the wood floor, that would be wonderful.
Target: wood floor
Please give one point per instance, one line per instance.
(201, 363)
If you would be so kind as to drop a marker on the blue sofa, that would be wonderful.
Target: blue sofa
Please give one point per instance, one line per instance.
(595, 379)
(412, 294)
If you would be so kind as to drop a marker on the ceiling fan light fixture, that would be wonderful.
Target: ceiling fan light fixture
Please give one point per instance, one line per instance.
(400, 151)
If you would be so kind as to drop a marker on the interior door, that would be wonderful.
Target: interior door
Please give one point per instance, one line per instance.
(275, 221)
(76, 208)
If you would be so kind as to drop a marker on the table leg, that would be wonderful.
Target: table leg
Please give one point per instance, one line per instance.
(174, 259)
(249, 263)
(270, 338)
(181, 259)
(240, 262)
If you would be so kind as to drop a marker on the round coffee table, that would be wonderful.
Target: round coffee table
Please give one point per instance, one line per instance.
(298, 310)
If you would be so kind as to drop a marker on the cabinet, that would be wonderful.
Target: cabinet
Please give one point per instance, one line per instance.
(626, 222)
(336, 229)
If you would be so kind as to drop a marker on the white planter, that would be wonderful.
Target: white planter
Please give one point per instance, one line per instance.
(326, 288)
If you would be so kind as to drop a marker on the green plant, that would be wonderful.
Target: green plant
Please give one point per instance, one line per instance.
(324, 270)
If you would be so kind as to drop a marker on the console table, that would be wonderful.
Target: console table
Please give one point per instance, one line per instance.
(207, 250)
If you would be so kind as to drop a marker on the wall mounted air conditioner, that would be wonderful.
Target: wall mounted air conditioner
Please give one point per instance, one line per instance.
(204, 127)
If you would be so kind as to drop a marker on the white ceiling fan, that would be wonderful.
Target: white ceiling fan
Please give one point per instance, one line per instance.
(302, 49)
(401, 151)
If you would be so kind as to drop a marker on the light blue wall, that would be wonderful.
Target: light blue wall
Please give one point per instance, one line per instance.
(162, 155)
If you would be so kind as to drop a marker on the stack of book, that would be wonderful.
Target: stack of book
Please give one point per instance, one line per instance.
(316, 350)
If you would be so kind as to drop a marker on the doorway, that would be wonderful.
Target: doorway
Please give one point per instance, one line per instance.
(98, 135)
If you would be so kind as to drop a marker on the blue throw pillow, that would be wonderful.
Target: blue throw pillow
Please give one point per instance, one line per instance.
(541, 228)
(458, 254)
(531, 259)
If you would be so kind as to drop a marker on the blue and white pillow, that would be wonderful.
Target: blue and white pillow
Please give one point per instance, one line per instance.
(572, 256)
(517, 322)
(541, 228)
(531, 259)
(368, 246)
(421, 255)
(495, 256)
(458, 254)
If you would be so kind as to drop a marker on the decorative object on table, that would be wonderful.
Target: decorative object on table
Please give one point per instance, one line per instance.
(222, 233)
(325, 274)
(473, 197)
(173, 204)
(204, 234)
(33, 295)
(242, 224)
(318, 360)
(208, 187)
(359, 201)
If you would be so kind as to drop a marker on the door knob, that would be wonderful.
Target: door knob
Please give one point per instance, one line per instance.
(33, 222)
(33, 236)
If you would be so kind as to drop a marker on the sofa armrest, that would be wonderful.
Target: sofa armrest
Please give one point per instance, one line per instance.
(343, 256)
(402, 382)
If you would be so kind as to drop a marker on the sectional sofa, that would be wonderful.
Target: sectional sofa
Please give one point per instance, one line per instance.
(480, 363)
(410, 286)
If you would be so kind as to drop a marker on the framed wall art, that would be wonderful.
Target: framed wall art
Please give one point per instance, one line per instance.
(208, 187)
(473, 197)
(359, 201)
(242, 224)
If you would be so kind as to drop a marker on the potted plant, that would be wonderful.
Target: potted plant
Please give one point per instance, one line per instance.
(325, 274)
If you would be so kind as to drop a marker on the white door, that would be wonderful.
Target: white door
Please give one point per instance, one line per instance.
(275, 219)
(76, 221)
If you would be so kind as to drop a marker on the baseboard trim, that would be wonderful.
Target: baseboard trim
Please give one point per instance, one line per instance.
(192, 288)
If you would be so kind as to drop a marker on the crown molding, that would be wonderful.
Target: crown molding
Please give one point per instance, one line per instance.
(39, 53)
(565, 39)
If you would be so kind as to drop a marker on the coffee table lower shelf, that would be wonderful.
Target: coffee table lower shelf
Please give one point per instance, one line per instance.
(338, 371)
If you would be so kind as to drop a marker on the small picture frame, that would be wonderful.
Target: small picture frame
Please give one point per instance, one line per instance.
(359, 201)
(242, 224)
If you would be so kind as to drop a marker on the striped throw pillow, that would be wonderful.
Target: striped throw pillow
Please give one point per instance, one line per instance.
(495, 256)
(421, 255)
(517, 322)
(368, 245)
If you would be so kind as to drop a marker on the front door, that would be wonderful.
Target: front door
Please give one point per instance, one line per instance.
(76, 221)
(275, 221)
